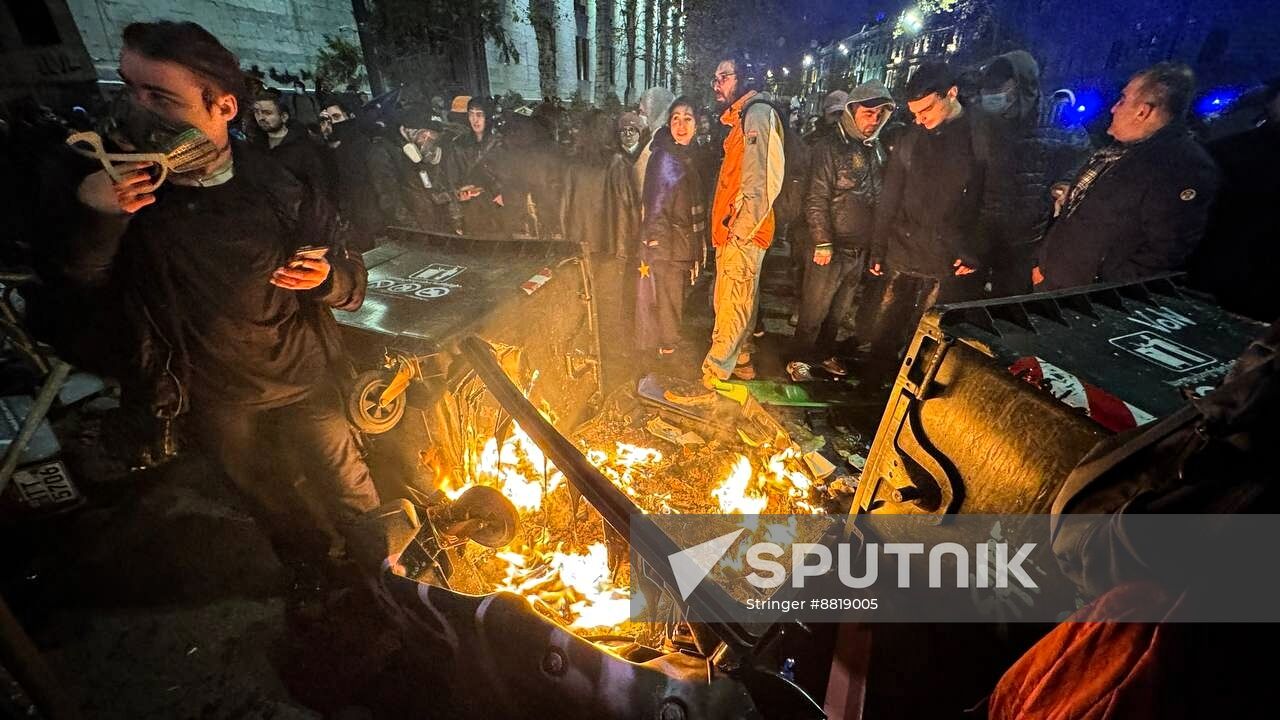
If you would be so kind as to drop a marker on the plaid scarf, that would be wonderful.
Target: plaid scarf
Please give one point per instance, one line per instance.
(1098, 165)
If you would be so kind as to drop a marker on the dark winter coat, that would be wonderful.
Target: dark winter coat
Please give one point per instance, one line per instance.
(929, 210)
(304, 157)
(357, 199)
(468, 161)
(399, 190)
(1026, 160)
(1241, 250)
(600, 205)
(846, 176)
(1143, 217)
(674, 218)
(187, 280)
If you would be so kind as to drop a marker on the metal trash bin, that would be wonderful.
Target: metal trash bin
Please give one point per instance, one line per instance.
(964, 430)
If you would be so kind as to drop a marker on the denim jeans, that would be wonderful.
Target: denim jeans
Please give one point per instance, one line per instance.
(826, 295)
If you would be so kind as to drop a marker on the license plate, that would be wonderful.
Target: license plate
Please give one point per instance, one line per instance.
(45, 486)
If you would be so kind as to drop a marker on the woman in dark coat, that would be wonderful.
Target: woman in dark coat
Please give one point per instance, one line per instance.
(672, 246)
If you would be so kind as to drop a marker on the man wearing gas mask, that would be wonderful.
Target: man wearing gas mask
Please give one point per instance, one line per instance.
(407, 174)
(220, 283)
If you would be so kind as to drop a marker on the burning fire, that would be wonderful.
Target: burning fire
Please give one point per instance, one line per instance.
(738, 494)
(578, 588)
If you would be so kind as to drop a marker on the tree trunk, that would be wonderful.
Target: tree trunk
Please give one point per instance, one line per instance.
(604, 48)
(542, 16)
(368, 46)
(632, 93)
(648, 44)
(477, 64)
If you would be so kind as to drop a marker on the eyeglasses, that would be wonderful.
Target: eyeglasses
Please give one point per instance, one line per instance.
(722, 78)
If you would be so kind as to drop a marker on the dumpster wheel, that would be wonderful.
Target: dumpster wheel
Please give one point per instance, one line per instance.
(364, 409)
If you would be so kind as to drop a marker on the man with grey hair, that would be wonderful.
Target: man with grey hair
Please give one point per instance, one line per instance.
(1139, 206)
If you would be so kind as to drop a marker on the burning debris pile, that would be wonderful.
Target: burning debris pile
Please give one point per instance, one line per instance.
(565, 562)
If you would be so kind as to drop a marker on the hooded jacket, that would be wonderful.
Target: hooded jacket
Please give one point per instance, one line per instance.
(673, 217)
(1026, 160)
(654, 104)
(846, 178)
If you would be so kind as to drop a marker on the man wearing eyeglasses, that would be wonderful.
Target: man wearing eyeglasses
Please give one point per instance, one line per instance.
(742, 223)
(1140, 205)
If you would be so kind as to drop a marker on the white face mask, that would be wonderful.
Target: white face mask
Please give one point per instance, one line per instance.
(411, 151)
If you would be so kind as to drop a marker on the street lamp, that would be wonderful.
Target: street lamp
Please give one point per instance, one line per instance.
(786, 71)
(912, 20)
(806, 61)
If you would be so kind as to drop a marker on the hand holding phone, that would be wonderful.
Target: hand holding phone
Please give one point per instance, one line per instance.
(305, 270)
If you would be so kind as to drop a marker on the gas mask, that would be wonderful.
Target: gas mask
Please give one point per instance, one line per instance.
(172, 148)
(997, 103)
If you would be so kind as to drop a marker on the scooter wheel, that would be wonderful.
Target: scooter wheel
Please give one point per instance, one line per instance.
(363, 408)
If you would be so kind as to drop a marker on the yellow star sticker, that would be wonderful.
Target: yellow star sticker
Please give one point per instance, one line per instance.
(644, 269)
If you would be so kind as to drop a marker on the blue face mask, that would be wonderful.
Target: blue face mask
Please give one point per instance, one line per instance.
(997, 102)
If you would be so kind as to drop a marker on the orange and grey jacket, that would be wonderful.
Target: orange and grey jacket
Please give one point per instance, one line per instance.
(751, 173)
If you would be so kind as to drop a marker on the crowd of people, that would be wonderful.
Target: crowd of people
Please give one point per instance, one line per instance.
(198, 295)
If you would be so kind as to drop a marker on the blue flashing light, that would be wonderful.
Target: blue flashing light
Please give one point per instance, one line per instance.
(1089, 103)
(1217, 100)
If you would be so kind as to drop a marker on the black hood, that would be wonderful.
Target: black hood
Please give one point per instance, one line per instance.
(1026, 76)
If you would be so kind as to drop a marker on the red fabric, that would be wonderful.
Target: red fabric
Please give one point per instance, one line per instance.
(1089, 670)
(1104, 408)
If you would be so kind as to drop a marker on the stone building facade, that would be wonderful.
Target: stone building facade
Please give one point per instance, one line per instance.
(601, 47)
(280, 34)
(41, 54)
(589, 49)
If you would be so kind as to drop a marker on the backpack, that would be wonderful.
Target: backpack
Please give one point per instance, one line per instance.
(787, 207)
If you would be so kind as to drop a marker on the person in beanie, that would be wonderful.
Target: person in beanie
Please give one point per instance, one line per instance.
(405, 168)
(844, 184)
(833, 106)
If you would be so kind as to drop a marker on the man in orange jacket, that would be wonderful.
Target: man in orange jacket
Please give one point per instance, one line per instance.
(742, 223)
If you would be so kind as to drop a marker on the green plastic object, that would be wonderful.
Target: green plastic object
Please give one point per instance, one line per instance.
(775, 392)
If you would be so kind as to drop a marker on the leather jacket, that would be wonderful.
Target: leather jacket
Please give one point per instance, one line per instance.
(844, 183)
